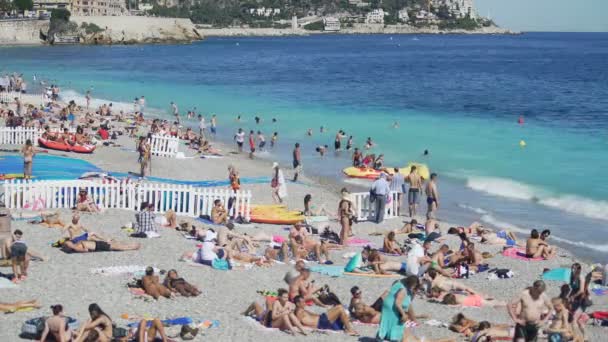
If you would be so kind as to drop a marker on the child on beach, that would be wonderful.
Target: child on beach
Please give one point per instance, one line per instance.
(18, 257)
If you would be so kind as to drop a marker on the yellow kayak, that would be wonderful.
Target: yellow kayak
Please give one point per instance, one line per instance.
(275, 214)
(7, 176)
(369, 173)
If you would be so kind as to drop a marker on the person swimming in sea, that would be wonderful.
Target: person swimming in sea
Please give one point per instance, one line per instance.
(257, 120)
(321, 149)
(238, 118)
(425, 153)
(396, 124)
(273, 139)
(309, 132)
(349, 143)
(322, 129)
(369, 143)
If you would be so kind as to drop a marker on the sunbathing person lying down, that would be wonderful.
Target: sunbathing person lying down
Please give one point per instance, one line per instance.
(12, 307)
(470, 300)
(88, 246)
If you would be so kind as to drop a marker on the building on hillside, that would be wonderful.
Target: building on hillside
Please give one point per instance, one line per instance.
(294, 22)
(265, 12)
(358, 3)
(376, 16)
(99, 7)
(458, 8)
(44, 6)
(403, 16)
(331, 24)
(145, 7)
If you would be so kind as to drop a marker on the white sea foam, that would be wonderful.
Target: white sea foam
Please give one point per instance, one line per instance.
(506, 225)
(578, 205)
(479, 211)
(80, 99)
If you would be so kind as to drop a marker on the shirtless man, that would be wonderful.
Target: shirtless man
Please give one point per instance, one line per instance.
(303, 287)
(432, 196)
(219, 215)
(415, 182)
(226, 237)
(306, 248)
(152, 285)
(99, 246)
(283, 316)
(502, 237)
(363, 312)
(533, 303)
(441, 261)
(76, 232)
(535, 248)
(447, 284)
(335, 318)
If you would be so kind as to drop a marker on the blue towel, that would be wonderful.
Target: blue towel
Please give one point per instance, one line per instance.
(332, 271)
(558, 274)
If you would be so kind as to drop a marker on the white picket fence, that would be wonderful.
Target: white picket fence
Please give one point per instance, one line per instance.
(31, 98)
(9, 96)
(366, 210)
(164, 145)
(19, 135)
(183, 199)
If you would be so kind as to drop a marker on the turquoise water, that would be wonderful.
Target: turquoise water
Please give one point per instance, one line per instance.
(457, 96)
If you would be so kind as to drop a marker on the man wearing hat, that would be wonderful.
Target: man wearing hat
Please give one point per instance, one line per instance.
(378, 191)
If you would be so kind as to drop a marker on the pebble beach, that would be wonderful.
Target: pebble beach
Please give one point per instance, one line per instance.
(68, 279)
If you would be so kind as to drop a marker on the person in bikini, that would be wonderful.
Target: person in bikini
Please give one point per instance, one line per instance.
(470, 300)
(219, 215)
(152, 286)
(407, 228)
(85, 203)
(447, 284)
(88, 246)
(178, 285)
(390, 245)
(99, 324)
(56, 326)
(335, 318)
(346, 214)
(527, 311)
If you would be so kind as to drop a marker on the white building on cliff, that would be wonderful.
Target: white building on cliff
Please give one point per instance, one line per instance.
(99, 7)
(375, 17)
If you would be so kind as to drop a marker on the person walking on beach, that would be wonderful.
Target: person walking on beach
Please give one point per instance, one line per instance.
(175, 111)
(338, 141)
(533, 303)
(28, 158)
(88, 97)
(144, 156)
(213, 125)
(142, 104)
(251, 144)
(261, 141)
(297, 162)
(202, 126)
(432, 197)
(398, 185)
(378, 192)
(415, 182)
(239, 137)
(273, 139)
(279, 188)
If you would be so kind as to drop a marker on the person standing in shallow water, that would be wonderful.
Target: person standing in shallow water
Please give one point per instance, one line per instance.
(432, 197)
(297, 162)
(28, 159)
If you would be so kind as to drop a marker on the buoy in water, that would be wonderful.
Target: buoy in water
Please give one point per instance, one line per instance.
(522, 143)
(520, 120)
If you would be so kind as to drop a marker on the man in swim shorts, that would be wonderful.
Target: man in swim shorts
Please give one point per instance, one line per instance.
(335, 318)
(98, 246)
(415, 182)
(533, 303)
(432, 197)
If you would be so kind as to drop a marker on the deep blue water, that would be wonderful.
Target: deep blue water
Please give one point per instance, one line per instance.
(457, 96)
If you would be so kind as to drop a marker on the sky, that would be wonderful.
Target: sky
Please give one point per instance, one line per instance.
(547, 15)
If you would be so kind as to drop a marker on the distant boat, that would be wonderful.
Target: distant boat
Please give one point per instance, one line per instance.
(65, 39)
(415, 38)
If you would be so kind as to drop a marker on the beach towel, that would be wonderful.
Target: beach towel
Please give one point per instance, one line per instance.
(358, 242)
(374, 275)
(599, 291)
(332, 271)
(316, 219)
(381, 251)
(519, 254)
(119, 270)
(7, 284)
(558, 274)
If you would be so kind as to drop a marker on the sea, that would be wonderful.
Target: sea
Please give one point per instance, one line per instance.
(516, 126)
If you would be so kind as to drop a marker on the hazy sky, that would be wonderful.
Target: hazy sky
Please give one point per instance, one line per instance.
(547, 15)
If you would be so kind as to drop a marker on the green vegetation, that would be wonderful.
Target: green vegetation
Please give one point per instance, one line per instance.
(6, 6)
(60, 22)
(315, 26)
(90, 28)
(466, 23)
(24, 5)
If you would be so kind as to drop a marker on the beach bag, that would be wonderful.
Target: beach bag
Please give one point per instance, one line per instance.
(119, 332)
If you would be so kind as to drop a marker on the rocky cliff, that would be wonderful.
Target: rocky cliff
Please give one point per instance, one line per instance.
(26, 32)
(138, 30)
